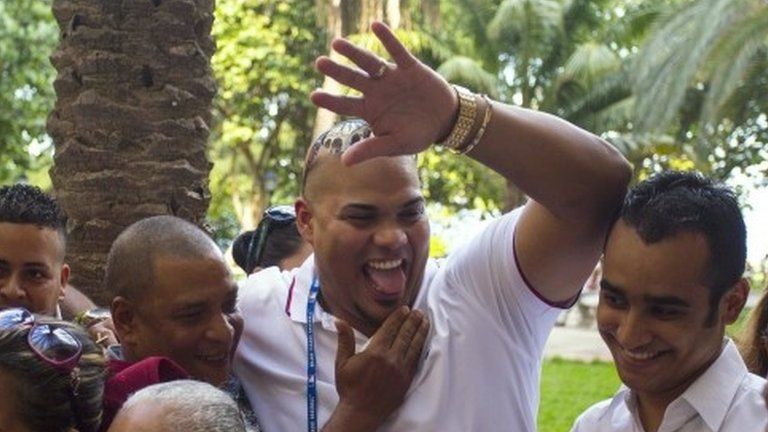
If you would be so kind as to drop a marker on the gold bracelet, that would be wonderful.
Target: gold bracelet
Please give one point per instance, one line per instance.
(480, 132)
(463, 126)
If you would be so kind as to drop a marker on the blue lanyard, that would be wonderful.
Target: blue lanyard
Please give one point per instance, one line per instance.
(311, 359)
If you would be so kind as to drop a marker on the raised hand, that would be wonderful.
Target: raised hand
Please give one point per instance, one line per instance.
(408, 105)
(372, 384)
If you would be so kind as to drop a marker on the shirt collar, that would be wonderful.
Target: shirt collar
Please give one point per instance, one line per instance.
(298, 296)
(711, 395)
(298, 293)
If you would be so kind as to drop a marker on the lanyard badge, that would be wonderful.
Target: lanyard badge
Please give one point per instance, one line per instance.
(311, 358)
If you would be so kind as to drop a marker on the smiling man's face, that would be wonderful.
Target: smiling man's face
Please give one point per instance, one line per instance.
(654, 311)
(185, 316)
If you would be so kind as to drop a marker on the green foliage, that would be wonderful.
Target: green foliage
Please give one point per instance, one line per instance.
(263, 115)
(570, 387)
(702, 78)
(28, 34)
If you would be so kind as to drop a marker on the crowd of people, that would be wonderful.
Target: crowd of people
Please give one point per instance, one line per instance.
(345, 324)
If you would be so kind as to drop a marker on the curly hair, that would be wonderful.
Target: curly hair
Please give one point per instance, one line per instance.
(25, 204)
(46, 400)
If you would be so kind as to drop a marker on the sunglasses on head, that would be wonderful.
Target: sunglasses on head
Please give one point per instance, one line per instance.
(277, 216)
(55, 345)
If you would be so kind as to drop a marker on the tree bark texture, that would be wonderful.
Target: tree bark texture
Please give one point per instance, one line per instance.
(131, 120)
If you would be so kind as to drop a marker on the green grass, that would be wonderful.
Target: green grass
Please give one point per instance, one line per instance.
(570, 387)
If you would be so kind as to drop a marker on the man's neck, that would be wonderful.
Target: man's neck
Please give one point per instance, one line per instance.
(651, 407)
(651, 411)
(356, 324)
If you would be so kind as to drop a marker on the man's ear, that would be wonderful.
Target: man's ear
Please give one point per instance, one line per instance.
(63, 280)
(734, 300)
(124, 318)
(304, 219)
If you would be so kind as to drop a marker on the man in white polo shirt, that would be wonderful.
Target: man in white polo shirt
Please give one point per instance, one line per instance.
(491, 305)
(672, 280)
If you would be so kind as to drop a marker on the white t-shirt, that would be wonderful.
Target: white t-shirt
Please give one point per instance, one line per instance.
(725, 398)
(483, 355)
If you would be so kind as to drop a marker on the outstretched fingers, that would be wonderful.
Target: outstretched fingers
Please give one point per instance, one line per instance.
(364, 59)
(342, 74)
(343, 105)
(400, 54)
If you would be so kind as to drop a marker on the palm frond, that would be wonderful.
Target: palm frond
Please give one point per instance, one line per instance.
(732, 58)
(591, 61)
(608, 92)
(668, 62)
(518, 20)
(469, 73)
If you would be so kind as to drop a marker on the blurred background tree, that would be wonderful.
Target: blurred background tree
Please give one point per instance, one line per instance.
(28, 35)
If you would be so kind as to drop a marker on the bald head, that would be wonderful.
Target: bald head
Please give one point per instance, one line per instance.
(131, 260)
(323, 158)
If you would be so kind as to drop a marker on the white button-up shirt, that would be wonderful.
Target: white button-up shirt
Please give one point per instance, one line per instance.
(725, 398)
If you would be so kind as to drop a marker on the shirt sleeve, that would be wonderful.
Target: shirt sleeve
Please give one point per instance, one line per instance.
(484, 274)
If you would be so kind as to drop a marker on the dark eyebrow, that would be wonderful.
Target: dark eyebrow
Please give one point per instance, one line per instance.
(653, 300)
(415, 201)
(666, 301)
(358, 206)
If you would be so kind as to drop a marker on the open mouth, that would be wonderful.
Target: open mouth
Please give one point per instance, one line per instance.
(386, 278)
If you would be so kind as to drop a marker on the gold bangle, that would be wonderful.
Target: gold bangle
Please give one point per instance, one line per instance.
(480, 132)
(463, 126)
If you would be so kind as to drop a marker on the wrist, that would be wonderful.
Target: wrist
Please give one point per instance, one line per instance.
(453, 116)
(474, 114)
(349, 418)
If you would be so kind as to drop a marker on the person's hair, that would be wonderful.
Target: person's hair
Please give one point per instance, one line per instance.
(25, 204)
(191, 406)
(751, 339)
(130, 264)
(45, 398)
(672, 202)
(281, 243)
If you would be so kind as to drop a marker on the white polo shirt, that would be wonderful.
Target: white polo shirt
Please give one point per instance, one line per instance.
(725, 398)
(482, 358)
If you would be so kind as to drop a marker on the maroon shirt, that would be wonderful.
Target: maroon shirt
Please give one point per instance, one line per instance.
(126, 378)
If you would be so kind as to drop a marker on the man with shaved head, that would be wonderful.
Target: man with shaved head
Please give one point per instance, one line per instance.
(173, 296)
(491, 305)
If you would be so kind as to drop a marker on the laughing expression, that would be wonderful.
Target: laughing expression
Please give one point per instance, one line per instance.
(368, 226)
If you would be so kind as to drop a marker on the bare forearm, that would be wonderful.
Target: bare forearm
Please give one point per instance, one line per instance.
(570, 171)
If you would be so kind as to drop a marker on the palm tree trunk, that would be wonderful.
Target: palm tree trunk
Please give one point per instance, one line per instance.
(131, 120)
